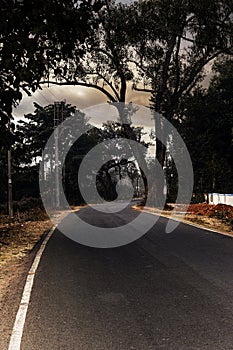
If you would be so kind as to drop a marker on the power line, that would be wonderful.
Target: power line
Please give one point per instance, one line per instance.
(45, 98)
(52, 94)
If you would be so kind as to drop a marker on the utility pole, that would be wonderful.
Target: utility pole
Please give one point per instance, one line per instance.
(56, 123)
(10, 202)
(58, 118)
(9, 175)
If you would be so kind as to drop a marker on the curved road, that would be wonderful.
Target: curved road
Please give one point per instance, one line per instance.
(164, 291)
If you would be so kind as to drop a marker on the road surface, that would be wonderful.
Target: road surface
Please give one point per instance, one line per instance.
(164, 291)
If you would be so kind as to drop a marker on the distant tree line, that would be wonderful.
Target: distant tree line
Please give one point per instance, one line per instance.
(32, 134)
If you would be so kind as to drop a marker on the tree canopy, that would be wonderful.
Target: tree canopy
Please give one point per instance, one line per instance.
(173, 43)
(34, 35)
(156, 46)
(207, 128)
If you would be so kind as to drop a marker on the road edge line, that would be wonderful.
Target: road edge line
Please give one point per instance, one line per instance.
(189, 223)
(17, 331)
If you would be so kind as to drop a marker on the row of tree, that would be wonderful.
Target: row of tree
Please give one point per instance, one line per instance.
(205, 121)
(156, 46)
(32, 134)
(207, 128)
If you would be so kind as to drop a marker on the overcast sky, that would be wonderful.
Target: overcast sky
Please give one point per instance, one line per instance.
(78, 96)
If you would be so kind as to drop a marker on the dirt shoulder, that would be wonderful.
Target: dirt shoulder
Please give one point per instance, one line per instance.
(218, 217)
(18, 237)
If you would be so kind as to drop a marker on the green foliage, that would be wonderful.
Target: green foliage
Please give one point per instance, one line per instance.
(172, 42)
(33, 133)
(207, 129)
(31, 137)
(105, 64)
(73, 160)
(35, 35)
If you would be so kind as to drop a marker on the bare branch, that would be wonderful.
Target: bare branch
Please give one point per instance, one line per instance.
(142, 89)
(110, 85)
(78, 83)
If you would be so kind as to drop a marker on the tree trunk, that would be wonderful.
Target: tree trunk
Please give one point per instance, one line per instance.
(160, 156)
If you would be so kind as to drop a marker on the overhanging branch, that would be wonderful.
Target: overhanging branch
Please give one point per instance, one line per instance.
(78, 83)
(142, 89)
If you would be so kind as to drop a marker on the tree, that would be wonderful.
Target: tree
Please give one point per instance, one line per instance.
(207, 129)
(35, 35)
(32, 135)
(3, 177)
(104, 65)
(169, 42)
(120, 168)
(34, 132)
(73, 161)
(173, 43)
(113, 170)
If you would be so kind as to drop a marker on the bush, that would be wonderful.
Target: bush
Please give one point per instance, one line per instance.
(27, 203)
(198, 198)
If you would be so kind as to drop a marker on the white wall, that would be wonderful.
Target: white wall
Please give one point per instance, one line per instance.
(216, 198)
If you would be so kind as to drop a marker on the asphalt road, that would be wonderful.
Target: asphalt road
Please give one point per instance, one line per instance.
(164, 291)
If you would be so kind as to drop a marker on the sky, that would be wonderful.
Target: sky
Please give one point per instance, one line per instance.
(78, 96)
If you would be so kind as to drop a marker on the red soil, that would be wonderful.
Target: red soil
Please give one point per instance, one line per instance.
(219, 210)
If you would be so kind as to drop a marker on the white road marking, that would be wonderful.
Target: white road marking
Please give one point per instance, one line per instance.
(189, 223)
(17, 332)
